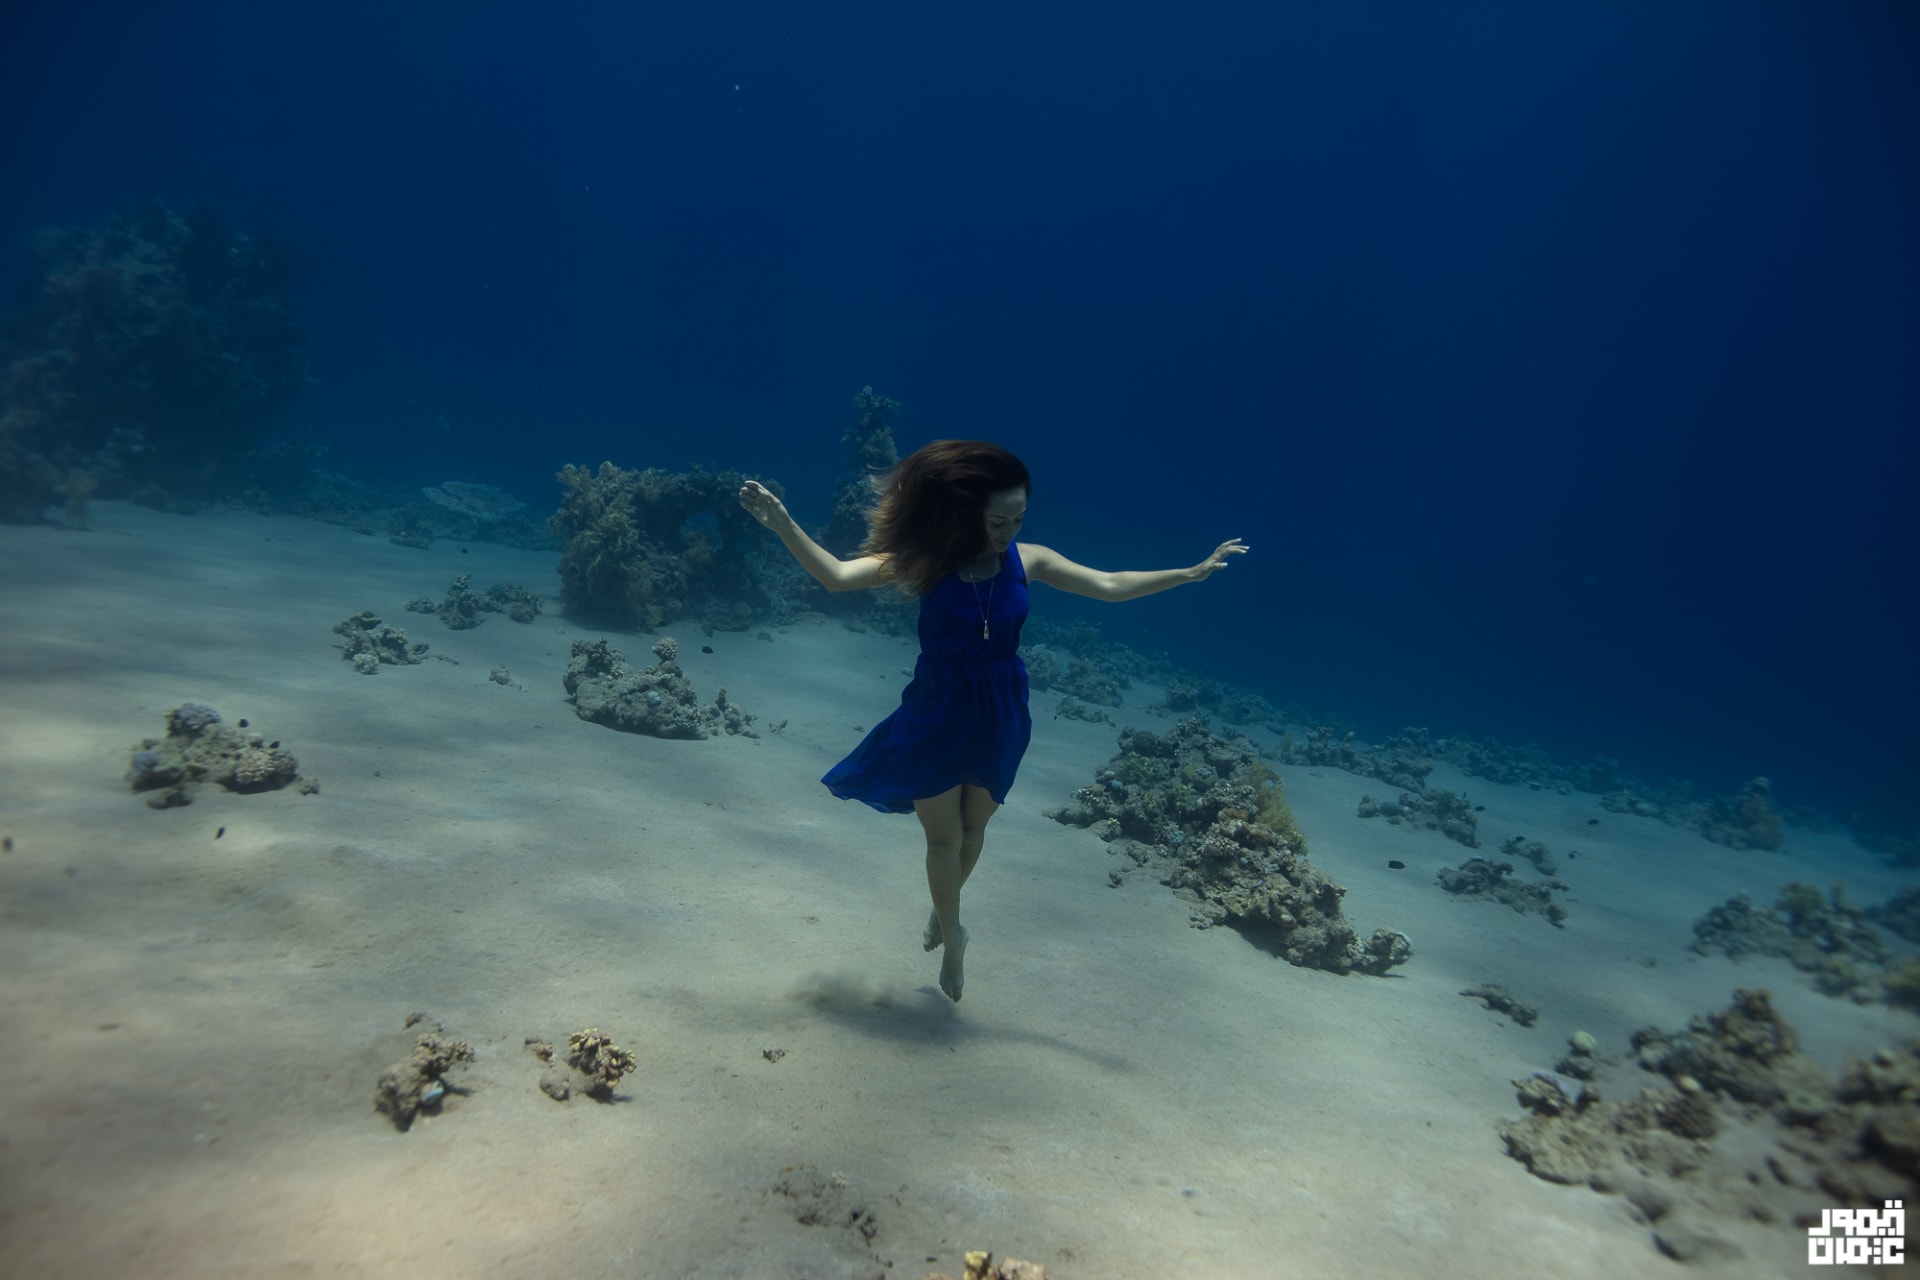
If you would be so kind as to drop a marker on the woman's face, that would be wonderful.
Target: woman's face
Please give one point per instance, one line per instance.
(1006, 512)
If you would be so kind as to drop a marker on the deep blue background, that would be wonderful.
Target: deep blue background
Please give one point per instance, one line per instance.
(1559, 362)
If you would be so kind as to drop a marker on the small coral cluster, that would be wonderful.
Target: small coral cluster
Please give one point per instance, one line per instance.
(657, 700)
(372, 643)
(1820, 934)
(1745, 821)
(1070, 658)
(460, 608)
(1211, 815)
(1404, 761)
(1078, 678)
(1531, 767)
(200, 747)
(1444, 811)
(418, 1083)
(1750, 820)
(981, 1265)
(593, 1067)
(1235, 704)
(1492, 995)
(1482, 878)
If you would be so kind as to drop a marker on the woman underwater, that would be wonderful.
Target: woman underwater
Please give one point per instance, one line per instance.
(944, 531)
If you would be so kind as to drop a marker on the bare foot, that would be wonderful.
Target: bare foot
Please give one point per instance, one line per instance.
(931, 939)
(952, 977)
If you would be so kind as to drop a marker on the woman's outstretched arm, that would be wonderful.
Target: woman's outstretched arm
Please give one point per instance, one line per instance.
(1047, 565)
(829, 570)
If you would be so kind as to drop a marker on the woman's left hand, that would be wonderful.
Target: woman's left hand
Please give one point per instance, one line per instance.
(1218, 560)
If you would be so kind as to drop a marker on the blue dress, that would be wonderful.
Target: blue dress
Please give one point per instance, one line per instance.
(963, 718)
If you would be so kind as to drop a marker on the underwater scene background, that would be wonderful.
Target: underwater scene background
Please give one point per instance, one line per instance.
(1559, 365)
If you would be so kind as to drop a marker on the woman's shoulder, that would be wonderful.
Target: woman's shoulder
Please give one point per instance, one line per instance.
(1034, 557)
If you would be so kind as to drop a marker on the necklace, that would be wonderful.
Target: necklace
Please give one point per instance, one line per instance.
(985, 633)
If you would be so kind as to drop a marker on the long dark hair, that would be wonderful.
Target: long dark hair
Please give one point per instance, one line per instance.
(929, 519)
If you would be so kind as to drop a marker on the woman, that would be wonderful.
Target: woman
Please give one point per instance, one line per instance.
(943, 530)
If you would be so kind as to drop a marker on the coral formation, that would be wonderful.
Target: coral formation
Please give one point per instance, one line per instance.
(519, 604)
(1403, 762)
(408, 526)
(1480, 878)
(1743, 1127)
(871, 452)
(1581, 1060)
(980, 1265)
(1070, 709)
(1529, 766)
(594, 1066)
(1899, 914)
(1745, 821)
(419, 1082)
(1745, 1051)
(657, 700)
(1497, 998)
(1080, 678)
(1823, 935)
(644, 548)
(370, 643)
(1751, 820)
(1533, 851)
(146, 357)
(1074, 660)
(460, 608)
(1189, 692)
(1211, 815)
(200, 747)
(1443, 811)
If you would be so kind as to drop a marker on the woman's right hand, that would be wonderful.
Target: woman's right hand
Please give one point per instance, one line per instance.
(763, 506)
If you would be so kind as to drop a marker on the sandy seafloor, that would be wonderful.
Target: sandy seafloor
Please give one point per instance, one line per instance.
(193, 1026)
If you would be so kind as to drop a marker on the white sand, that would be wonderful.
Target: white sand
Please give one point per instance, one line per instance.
(193, 1025)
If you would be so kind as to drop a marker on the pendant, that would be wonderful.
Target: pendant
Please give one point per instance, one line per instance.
(983, 632)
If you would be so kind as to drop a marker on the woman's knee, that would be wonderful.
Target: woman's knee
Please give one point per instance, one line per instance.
(977, 807)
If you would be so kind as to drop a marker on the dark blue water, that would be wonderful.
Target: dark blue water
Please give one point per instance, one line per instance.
(1560, 366)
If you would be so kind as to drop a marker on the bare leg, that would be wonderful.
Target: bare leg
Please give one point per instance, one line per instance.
(972, 839)
(955, 823)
